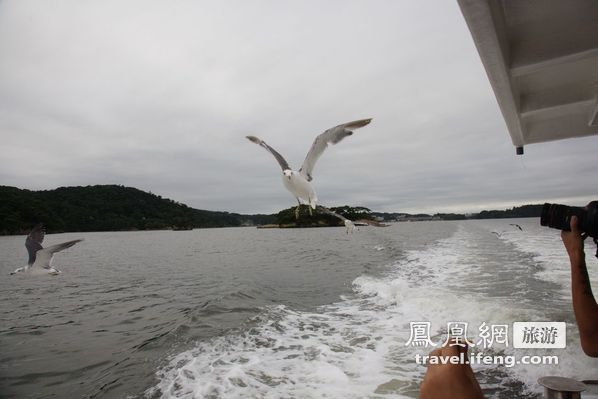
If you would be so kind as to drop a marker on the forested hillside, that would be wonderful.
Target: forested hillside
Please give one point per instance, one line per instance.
(105, 208)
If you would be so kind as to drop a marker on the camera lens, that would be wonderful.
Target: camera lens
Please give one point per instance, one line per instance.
(557, 216)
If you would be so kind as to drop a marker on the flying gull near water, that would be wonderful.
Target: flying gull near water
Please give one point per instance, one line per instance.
(298, 182)
(40, 258)
(349, 225)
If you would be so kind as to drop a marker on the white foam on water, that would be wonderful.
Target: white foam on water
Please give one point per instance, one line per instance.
(357, 347)
(545, 247)
(288, 354)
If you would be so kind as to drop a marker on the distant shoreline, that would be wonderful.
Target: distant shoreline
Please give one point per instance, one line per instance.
(103, 208)
(266, 226)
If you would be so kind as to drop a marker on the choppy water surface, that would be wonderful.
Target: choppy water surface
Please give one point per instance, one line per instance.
(300, 313)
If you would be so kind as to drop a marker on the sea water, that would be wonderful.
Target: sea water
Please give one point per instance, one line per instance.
(271, 313)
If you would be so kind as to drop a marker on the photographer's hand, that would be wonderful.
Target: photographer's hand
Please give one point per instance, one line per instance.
(573, 241)
(584, 303)
(450, 381)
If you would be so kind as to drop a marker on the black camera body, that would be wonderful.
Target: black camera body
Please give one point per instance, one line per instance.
(559, 217)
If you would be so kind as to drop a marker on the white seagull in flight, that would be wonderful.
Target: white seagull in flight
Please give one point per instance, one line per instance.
(349, 225)
(40, 258)
(298, 182)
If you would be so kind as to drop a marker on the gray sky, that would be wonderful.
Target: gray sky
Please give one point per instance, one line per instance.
(160, 95)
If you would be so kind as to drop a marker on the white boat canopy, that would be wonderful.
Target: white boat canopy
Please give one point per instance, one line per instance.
(541, 57)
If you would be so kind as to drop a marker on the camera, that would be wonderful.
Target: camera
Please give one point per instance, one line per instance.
(559, 216)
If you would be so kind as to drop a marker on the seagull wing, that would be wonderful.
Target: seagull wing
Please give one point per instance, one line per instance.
(37, 233)
(348, 223)
(516, 225)
(45, 255)
(281, 161)
(34, 240)
(333, 135)
(330, 212)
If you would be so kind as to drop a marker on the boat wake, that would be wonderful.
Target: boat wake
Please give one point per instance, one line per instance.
(357, 347)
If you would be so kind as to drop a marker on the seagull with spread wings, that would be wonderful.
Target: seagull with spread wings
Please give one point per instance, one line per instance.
(40, 258)
(298, 182)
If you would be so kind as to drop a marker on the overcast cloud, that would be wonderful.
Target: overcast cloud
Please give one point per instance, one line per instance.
(160, 95)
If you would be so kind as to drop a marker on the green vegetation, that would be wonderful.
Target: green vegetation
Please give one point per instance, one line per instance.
(106, 208)
(113, 208)
(525, 211)
(353, 212)
(287, 218)
(451, 216)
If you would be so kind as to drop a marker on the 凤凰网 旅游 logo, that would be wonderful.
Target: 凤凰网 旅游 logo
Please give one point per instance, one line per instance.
(537, 334)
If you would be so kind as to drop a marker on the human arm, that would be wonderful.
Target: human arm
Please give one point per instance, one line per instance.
(584, 303)
(450, 381)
